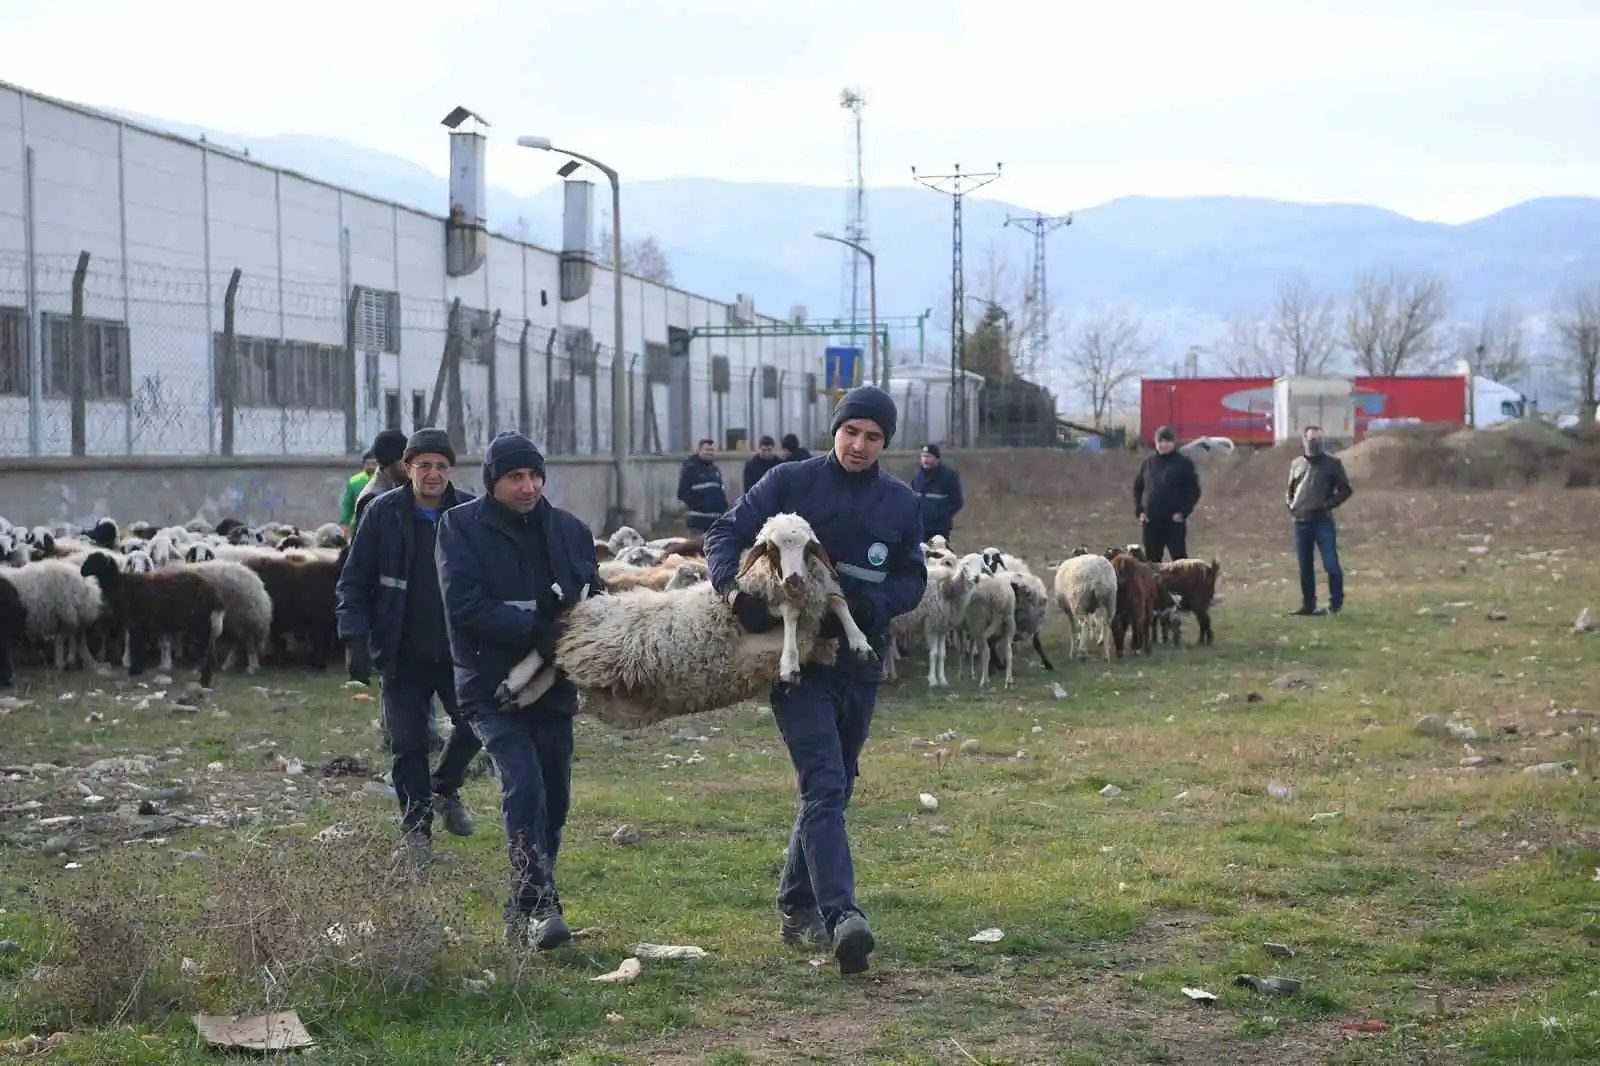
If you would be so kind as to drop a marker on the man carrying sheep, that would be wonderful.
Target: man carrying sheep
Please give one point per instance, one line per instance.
(391, 615)
(510, 564)
(1165, 493)
(869, 523)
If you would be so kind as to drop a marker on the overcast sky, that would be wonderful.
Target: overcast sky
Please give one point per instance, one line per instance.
(1440, 109)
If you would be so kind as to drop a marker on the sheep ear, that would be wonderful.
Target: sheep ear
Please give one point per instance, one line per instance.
(815, 550)
(754, 554)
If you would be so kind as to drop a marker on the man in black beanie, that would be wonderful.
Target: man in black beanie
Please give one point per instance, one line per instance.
(391, 615)
(388, 451)
(510, 564)
(868, 522)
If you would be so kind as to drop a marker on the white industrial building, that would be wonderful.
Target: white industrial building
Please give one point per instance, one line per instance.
(166, 221)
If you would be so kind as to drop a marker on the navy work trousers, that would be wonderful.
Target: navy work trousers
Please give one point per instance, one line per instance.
(406, 711)
(532, 753)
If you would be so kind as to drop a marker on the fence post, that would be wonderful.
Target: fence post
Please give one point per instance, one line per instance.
(352, 319)
(77, 371)
(524, 407)
(227, 370)
(452, 323)
(494, 377)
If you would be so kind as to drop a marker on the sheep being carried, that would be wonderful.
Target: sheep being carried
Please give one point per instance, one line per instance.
(642, 656)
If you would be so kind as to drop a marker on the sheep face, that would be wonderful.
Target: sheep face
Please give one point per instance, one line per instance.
(639, 555)
(1137, 551)
(787, 542)
(138, 562)
(688, 574)
(625, 537)
(199, 553)
(993, 563)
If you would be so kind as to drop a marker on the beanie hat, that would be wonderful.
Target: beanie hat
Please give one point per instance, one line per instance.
(507, 452)
(866, 401)
(791, 442)
(430, 441)
(1165, 433)
(388, 447)
(931, 449)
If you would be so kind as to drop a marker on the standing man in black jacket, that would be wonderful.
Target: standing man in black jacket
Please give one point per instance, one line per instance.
(765, 458)
(700, 488)
(1165, 494)
(391, 614)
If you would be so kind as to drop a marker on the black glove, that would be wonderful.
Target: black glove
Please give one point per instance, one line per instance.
(753, 615)
(360, 660)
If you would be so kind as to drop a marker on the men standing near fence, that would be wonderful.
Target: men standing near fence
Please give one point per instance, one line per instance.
(352, 489)
(391, 615)
(867, 522)
(939, 488)
(765, 458)
(700, 488)
(510, 564)
(1318, 484)
(388, 454)
(1165, 493)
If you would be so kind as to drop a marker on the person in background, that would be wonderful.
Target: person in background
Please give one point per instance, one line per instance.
(939, 488)
(388, 451)
(791, 450)
(700, 487)
(391, 615)
(1165, 493)
(1318, 485)
(510, 564)
(352, 489)
(765, 458)
(868, 522)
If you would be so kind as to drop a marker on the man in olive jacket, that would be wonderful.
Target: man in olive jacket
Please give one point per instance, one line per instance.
(1318, 484)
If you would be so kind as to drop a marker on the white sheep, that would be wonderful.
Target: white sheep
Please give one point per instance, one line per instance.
(247, 610)
(990, 621)
(60, 605)
(641, 656)
(935, 619)
(1086, 591)
(1033, 604)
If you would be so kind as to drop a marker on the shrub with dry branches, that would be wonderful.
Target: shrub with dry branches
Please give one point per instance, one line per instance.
(1393, 323)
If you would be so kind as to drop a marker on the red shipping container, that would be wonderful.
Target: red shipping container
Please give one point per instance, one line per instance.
(1241, 408)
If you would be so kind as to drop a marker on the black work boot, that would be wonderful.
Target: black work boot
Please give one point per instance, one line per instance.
(1308, 612)
(803, 926)
(852, 942)
(541, 931)
(454, 814)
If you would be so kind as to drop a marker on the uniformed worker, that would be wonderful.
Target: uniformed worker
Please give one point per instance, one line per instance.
(869, 523)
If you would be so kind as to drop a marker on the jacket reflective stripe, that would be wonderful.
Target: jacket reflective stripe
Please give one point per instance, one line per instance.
(523, 605)
(936, 495)
(392, 582)
(861, 573)
(704, 514)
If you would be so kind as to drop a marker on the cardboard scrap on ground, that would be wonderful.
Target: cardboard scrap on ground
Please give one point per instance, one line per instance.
(625, 974)
(258, 1032)
(669, 951)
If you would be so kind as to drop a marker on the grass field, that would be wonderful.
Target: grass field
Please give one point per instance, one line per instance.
(1273, 788)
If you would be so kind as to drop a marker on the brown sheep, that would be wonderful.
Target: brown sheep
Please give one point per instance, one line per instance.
(1136, 603)
(675, 571)
(302, 590)
(1194, 582)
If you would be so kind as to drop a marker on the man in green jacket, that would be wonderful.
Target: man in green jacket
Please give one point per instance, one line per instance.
(352, 489)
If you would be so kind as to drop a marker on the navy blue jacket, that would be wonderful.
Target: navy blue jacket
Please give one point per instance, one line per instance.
(754, 467)
(371, 591)
(940, 492)
(868, 523)
(701, 491)
(493, 590)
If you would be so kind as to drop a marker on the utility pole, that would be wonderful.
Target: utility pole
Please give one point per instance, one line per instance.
(1038, 296)
(855, 224)
(957, 186)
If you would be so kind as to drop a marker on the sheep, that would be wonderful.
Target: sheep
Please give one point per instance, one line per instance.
(990, 621)
(660, 577)
(59, 605)
(1086, 592)
(329, 535)
(247, 609)
(936, 618)
(301, 585)
(199, 553)
(163, 604)
(624, 537)
(1193, 583)
(1136, 603)
(1033, 602)
(642, 656)
(13, 627)
(14, 550)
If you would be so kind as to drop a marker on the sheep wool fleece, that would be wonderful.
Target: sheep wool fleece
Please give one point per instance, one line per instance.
(870, 525)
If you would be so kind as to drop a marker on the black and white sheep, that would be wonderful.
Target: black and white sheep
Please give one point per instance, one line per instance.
(165, 607)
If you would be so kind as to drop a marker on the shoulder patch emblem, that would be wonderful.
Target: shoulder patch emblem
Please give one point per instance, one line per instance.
(878, 554)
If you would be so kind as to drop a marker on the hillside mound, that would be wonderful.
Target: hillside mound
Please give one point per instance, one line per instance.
(1507, 455)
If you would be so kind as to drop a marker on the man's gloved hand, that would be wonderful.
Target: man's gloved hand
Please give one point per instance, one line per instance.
(753, 615)
(359, 658)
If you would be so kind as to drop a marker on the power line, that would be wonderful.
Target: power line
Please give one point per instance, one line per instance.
(959, 185)
(1038, 295)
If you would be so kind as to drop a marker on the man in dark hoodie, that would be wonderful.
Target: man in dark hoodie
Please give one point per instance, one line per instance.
(765, 458)
(791, 451)
(1318, 484)
(510, 564)
(1165, 493)
(700, 488)
(391, 615)
(388, 451)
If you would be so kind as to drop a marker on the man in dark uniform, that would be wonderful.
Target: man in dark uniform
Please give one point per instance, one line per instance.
(1165, 493)
(510, 564)
(388, 452)
(700, 488)
(765, 458)
(868, 522)
(391, 615)
(791, 451)
(938, 487)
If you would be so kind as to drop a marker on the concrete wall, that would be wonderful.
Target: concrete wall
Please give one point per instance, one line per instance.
(306, 491)
(165, 221)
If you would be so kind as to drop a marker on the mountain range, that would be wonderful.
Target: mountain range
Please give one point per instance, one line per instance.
(1184, 265)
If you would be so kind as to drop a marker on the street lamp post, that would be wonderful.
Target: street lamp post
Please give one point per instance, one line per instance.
(620, 411)
(872, 293)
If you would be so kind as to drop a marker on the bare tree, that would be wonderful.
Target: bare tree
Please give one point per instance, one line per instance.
(1299, 337)
(1577, 322)
(1393, 324)
(1496, 349)
(1107, 354)
(643, 259)
(1247, 350)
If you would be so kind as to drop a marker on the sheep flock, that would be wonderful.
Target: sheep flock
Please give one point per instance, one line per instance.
(232, 597)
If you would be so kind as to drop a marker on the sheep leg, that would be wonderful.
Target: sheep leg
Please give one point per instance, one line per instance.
(1006, 657)
(228, 659)
(854, 637)
(980, 650)
(1106, 634)
(1204, 618)
(534, 691)
(789, 660)
(252, 657)
(523, 672)
(86, 657)
(127, 651)
(166, 652)
(1039, 648)
(61, 651)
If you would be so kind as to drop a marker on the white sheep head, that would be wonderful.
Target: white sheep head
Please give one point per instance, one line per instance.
(625, 537)
(788, 544)
(199, 553)
(639, 555)
(993, 561)
(138, 562)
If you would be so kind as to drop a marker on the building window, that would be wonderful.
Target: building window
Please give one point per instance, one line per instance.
(419, 409)
(377, 320)
(106, 371)
(274, 373)
(13, 352)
